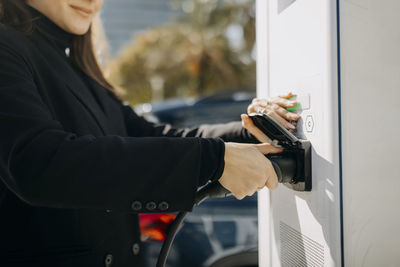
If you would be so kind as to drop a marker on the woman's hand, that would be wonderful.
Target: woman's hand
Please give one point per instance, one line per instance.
(276, 108)
(247, 170)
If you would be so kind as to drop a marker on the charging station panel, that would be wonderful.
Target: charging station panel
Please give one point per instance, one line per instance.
(304, 227)
(342, 60)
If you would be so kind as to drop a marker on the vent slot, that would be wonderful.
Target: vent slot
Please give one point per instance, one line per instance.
(298, 250)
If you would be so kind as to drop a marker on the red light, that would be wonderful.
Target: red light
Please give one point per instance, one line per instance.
(154, 225)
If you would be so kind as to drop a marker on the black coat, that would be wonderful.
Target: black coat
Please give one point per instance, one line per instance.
(76, 165)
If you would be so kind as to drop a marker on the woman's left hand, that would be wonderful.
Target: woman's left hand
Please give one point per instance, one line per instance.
(274, 107)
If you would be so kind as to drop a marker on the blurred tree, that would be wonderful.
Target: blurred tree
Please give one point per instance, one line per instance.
(208, 48)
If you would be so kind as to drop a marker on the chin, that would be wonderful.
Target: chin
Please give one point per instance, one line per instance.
(79, 29)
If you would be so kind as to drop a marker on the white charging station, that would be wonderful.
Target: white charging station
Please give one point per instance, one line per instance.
(342, 58)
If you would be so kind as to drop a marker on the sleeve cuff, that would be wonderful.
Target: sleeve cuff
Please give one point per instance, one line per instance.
(212, 160)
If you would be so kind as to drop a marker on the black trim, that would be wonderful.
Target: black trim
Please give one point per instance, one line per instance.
(340, 132)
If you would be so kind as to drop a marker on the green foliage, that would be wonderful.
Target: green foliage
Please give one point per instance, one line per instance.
(191, 56)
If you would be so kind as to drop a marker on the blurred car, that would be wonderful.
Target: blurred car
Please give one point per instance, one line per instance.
(221, 107)
(219, 232)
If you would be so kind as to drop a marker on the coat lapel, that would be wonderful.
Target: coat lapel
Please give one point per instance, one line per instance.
(84, 96)
(111, 108)
(79, 89)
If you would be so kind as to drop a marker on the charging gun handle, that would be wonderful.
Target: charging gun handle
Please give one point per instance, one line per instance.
(211, 190)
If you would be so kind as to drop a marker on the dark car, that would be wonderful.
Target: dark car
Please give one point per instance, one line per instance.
(219, 232)
(221, 107)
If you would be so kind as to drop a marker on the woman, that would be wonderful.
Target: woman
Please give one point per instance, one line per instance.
(76, 165)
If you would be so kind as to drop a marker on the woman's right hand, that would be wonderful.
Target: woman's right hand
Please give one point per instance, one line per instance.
(247, 170)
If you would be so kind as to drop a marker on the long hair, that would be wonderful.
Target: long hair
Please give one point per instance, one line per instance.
(16, 14)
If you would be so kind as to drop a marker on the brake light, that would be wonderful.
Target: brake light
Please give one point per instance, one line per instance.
(154, 226)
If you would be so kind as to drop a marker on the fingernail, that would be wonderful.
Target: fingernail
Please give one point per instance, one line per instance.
(296, 116)
(289, 125)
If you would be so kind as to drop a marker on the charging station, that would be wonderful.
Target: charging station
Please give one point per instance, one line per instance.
(342, 59)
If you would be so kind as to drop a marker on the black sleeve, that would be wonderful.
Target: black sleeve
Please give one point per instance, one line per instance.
(212, 162)
(229, 132)
(46, 166)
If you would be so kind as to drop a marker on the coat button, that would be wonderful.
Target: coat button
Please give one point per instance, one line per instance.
(135, 249)
(163, 206)
(151, 205)
(108, 260)
(136, 205)
(67, 51)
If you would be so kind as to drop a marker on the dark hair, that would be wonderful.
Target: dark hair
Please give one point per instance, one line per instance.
(16, 14)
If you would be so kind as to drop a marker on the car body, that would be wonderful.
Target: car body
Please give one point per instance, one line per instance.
(221, 107)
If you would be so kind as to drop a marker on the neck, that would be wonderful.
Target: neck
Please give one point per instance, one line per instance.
(50, 30)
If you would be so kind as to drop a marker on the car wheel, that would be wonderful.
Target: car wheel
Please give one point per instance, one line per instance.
(244, 259)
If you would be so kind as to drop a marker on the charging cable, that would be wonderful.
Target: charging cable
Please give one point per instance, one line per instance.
(210, 190)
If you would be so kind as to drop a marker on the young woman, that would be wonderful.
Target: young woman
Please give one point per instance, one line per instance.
(76, 165)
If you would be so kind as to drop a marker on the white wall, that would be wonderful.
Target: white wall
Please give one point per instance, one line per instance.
(370, 67)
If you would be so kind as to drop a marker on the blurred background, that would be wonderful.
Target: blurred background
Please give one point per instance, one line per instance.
(188, 62)
(162, 49)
